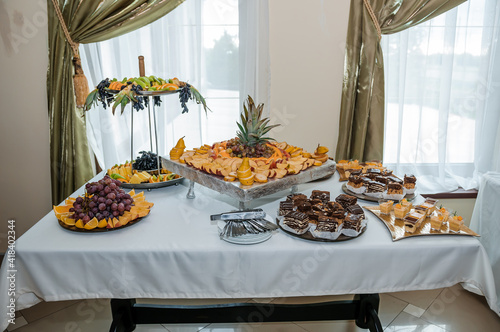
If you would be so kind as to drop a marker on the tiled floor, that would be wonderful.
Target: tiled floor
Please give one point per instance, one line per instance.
(451, 309)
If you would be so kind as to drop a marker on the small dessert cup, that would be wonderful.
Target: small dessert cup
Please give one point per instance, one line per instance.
(385, 207)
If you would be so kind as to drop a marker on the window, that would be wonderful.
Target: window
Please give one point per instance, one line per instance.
(440, 77)
(198, 42)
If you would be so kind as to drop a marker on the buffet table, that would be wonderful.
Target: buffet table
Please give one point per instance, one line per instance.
(175, 252)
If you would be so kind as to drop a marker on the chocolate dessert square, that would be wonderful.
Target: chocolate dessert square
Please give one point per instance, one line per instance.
(346, 200)
(410, 178)
(304, 207)
(324, 196)
(355, 209)
(394, 188)
(335, 206)
(352, 221)
(395, 179)
(297, 220)
(381, 179)
(285, 207)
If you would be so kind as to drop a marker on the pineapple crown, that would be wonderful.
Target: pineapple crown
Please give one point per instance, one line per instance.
(252, 127)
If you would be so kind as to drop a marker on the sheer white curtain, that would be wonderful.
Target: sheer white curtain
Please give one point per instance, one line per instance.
(200, 43)
(443, 98)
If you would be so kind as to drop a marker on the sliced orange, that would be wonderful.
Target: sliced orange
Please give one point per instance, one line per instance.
(69, 221)
(70, 201)
(79, 223)
(143, 204)
(102, 223)
(62, 208)
(131, 192)
(91, 224)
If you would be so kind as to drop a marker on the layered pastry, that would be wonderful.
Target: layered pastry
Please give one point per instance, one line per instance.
(409, 183)
(386, 172)
(305, 206)
(430, 204)
(297, 221)
(375, 189)
(285, 207)
(407, 205)
(423, 210)
(373, 172)
(412, 221)
(445, 213)
(353, 169)
(392, 178)
(353, 221)
(335, 206)
(436, 221)
(455, 223)
(399, 211)
(338, 216)
(381, 179)
(328, 224)
(394, 189)
(297, 199)
(386, 207)
(355, 209)
(323, 196)
(346, 200)
(355, 184)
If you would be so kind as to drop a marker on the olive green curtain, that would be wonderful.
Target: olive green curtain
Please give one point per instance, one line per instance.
(361, 129)
(87, 22)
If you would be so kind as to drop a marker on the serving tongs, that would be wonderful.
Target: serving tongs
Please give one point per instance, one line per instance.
(244, 222)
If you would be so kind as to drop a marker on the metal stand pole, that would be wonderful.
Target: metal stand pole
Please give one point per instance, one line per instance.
(156, 142)
(131, 134)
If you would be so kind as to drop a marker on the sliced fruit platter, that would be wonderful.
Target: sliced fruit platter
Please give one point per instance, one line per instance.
(142, 173)
(132, 89)
(103, 207)
(251, 156)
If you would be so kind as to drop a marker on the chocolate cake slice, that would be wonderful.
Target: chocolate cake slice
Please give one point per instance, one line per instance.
(297, 220)
(346, 200)
(353, 221)
(355, 181)
(324, 196)
(394, 188)
(335, 206)
(355, 209)
(375, 187)
(285, 207)
(327, 224)
(304, 207)
(410, 179)
(381, 179)
(395, 179)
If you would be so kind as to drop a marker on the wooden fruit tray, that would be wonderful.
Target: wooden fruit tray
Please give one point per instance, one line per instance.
(248, 193)
(397, 229)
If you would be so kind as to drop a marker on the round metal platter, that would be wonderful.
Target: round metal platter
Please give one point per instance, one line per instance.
(308, 236)
(96, 230)
(154, 185)
(409, 197)
(151, 93)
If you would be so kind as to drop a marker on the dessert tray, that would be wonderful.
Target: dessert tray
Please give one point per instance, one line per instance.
(409, 197)
(256, 190)
(310, 237)
(154, 185)
(397, 228)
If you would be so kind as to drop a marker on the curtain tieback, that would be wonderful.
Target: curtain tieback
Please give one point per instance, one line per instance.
(373, 17)
(80, 83)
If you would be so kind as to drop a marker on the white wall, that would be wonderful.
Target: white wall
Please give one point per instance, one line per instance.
(25, 194)
(307, 60)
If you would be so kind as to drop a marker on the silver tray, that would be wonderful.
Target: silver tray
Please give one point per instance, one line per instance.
(248, 193)
(151, 93)
(409, 197)
(154, 185)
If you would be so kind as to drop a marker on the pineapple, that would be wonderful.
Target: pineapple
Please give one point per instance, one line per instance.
(251, 140)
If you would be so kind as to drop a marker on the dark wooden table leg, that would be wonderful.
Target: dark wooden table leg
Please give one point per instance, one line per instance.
(367, 317)
(123, 319)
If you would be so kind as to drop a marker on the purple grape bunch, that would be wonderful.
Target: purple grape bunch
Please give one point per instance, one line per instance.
(103, 199)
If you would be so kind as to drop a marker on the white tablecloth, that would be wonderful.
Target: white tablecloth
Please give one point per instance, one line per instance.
(175, 252)
(486, 220)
